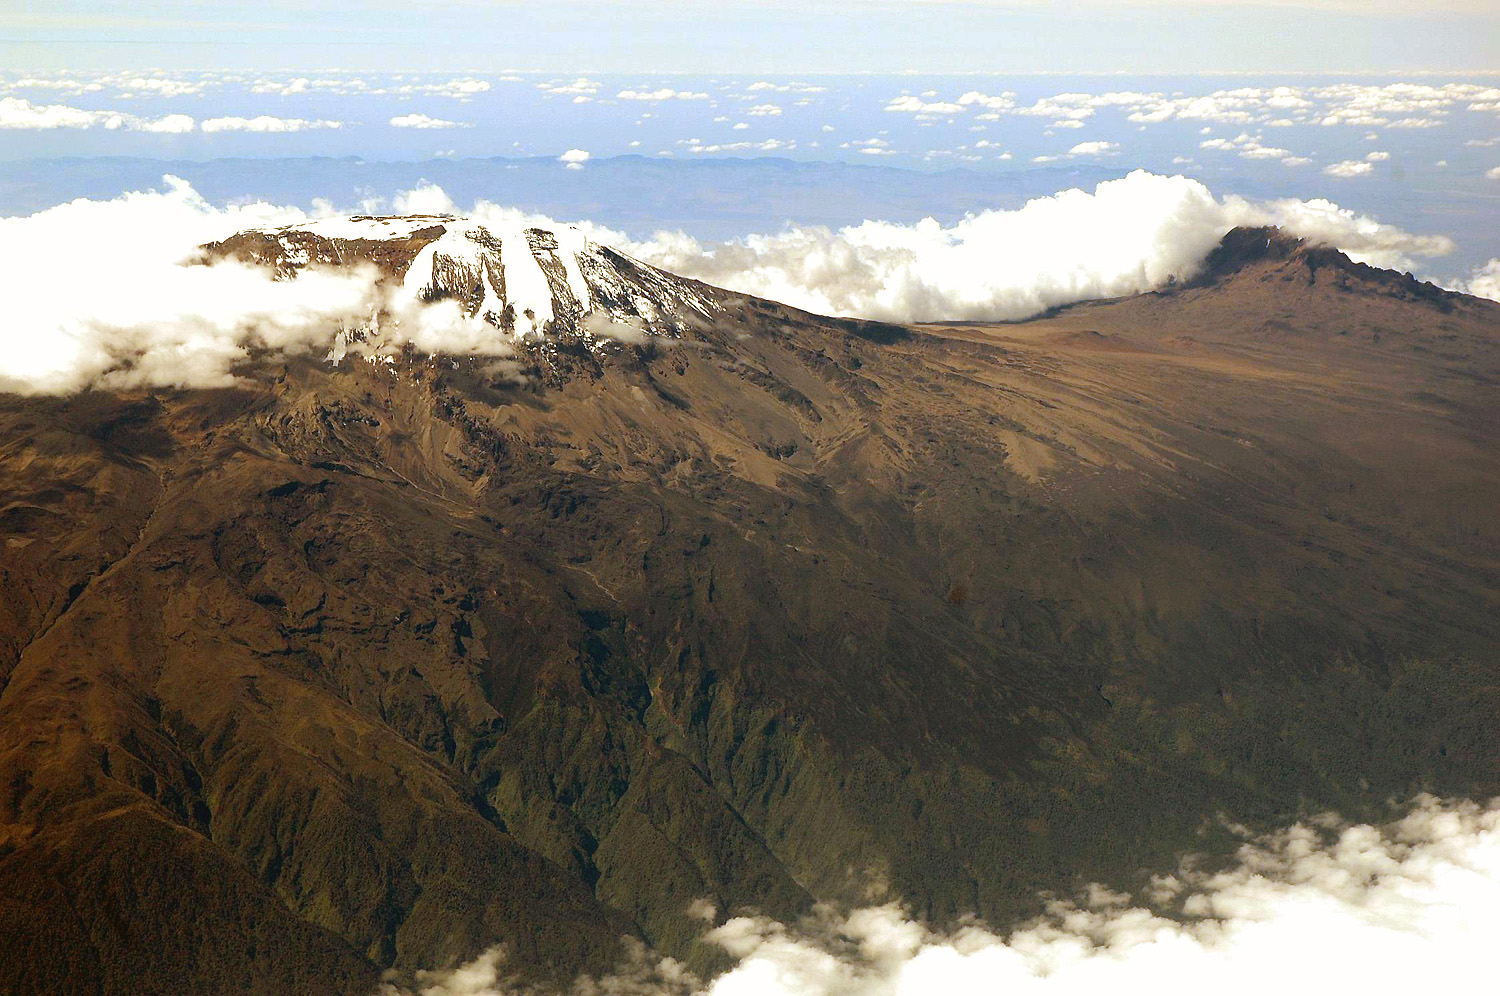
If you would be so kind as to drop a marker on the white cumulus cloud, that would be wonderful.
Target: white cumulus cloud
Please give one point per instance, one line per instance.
(19, 114)
(1093, 148)
(1483, 282)
(698, 147)
(463, 89)
(168, 124)
(660, 94)
(1126, 236)
(582, 86)
(124, 312)
(416, 120)
(994, 102)
(159, 86)
(1321, 907)
(1249, 147)
(266, 124)
(1348, 169)
(129, 304)
(916, 105)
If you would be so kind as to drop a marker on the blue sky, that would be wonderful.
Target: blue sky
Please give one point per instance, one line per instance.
(1419, 150)
(935, 36)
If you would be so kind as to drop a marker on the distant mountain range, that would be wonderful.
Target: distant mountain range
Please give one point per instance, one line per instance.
(713, 199)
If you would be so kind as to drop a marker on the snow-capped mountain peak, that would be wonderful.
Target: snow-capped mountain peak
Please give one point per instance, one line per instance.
(529, 283)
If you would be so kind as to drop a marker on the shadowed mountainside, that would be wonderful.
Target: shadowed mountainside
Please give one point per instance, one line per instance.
(375, 665)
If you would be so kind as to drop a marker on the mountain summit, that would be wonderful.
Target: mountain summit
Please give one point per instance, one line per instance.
(526, 282)
(355, 668)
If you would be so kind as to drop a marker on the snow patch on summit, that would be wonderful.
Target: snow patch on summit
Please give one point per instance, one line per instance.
(526, 284)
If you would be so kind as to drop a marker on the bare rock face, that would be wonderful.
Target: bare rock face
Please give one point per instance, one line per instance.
(366, 667)
(1294, 259)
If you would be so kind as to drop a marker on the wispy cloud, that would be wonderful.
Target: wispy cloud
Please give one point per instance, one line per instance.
(1249, 146)
(581, 89)
(916, 105)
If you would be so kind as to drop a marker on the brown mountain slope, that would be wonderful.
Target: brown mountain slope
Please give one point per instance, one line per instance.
(366, 666)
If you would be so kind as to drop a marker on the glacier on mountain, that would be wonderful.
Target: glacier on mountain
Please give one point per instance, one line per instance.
(525, 284)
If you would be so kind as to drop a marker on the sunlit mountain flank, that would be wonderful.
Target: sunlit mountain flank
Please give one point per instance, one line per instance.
(862, 499)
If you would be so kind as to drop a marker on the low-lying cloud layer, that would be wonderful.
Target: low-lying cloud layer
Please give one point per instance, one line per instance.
(103, 300)
(108, 296)
(1127, 236)
(109, 303)
(1321, 907)
(18, 114)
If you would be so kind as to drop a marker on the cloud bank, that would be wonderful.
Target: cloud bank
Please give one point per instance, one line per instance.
(1393, 105)
(1322, 906)
(110, 304)
(18, 114)
(1126, 236)
(266, 123)
(1483, 282)
(113, 298)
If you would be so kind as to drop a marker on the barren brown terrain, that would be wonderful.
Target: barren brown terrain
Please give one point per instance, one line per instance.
(367, 667)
